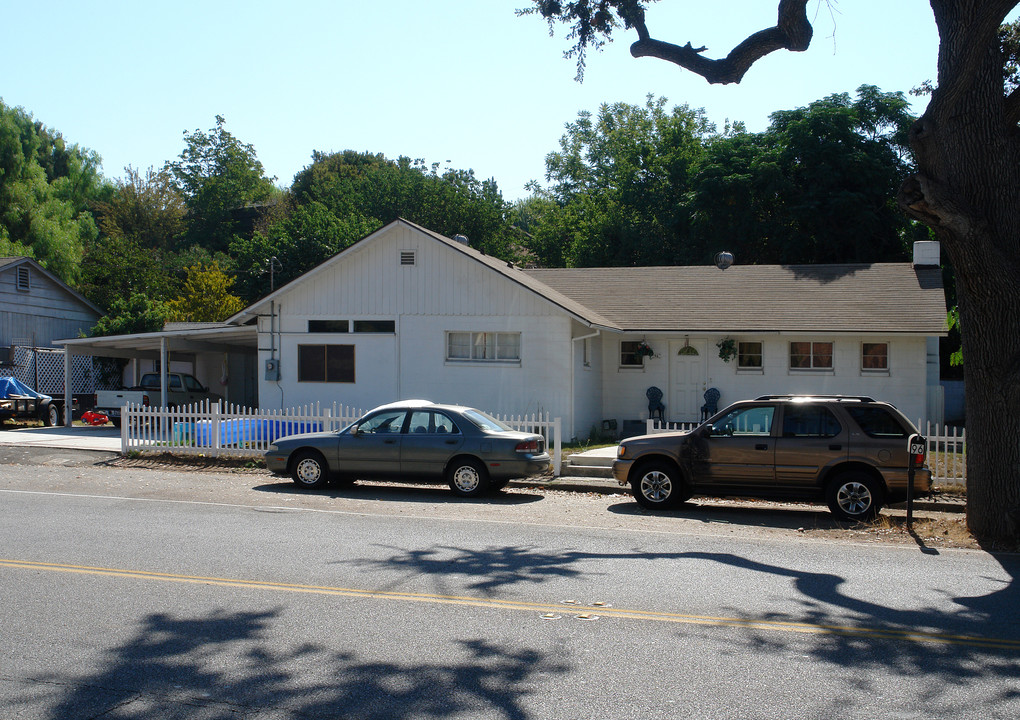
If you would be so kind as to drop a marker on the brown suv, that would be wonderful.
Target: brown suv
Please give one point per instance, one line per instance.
(849, 451)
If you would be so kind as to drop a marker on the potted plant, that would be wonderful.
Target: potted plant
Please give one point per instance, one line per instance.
(727, 349)
(643, 350)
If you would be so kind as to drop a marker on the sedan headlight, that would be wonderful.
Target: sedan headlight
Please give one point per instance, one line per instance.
(273, 447)
(621, 451)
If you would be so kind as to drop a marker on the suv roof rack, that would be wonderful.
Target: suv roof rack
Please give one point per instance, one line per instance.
(838, 398)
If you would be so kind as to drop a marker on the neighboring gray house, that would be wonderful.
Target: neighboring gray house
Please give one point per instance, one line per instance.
(407, 312)
(36, 308)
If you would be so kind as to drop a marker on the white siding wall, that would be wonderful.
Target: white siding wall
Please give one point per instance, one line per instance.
(444, 291)
(904, 385)
(588, 414)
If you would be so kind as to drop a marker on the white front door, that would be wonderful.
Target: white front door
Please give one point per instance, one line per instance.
(688, 375)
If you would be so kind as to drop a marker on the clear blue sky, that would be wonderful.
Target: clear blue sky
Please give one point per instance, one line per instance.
(461, 82)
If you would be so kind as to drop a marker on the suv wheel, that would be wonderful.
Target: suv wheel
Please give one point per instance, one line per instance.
(658, 486)
(853, 496)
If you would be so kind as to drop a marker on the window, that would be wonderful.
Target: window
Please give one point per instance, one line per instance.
(878, 422)
(755, 420)
(427, 421)
(24, 279)
(386, 422)
(749, 356)
(483, 346)
(875, 356)
(810, 421)
(811, 356)
(375, 326)
(629, 356)
(326, 363)
(328, 326)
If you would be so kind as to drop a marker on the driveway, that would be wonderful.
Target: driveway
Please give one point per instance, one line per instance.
(79, 437)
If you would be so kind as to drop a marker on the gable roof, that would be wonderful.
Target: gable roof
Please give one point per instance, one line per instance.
(880, 298)
(13, 262)
(501, 267)
(887, 298)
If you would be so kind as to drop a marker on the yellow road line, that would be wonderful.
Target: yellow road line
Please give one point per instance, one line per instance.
(649, 615)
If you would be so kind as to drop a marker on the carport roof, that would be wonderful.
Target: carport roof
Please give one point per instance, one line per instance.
(206, 337)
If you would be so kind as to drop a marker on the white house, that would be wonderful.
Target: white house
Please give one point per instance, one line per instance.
(407, 312)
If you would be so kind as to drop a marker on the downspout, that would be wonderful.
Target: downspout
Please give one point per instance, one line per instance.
(573, 389)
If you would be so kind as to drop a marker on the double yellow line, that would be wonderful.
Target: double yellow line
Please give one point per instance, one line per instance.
(586, 611)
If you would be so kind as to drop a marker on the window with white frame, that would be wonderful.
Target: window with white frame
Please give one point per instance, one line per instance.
(875, 356)
(749, 356)
(483, 346)
(811, 356)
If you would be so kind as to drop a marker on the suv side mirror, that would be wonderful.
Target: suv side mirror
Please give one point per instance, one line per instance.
(720, 430)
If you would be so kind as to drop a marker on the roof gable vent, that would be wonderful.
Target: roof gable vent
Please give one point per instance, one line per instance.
(24, 281)
(408, 257)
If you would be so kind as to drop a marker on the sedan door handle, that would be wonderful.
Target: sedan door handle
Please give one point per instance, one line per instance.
(389, 442)
(761, 446)
(451, 442)
(835, 447)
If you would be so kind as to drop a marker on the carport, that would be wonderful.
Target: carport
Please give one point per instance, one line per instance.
(181, 342)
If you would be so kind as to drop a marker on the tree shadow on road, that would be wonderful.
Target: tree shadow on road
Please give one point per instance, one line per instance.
(235, 665)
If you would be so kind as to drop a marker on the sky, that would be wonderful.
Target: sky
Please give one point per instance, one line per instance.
(463, 83)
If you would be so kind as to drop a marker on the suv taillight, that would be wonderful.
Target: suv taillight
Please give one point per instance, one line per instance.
(528, 446)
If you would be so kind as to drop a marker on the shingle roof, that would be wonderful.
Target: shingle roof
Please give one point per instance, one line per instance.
(880, 298)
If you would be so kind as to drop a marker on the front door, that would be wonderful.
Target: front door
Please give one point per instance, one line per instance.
(688, 372)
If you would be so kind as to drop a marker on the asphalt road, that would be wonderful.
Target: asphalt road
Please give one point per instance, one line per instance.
(134, 593)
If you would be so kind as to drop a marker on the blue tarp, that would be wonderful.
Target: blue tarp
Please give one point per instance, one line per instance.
(12, 386)
(238, 431)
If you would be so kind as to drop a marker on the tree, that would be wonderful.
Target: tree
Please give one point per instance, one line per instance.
(45, 186)
(621, 178)
(965, 187)
(219, 177)
(129, 316)
(818, 186)
(205, 297)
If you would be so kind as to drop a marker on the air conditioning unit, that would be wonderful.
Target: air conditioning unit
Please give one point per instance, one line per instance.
(273, 370)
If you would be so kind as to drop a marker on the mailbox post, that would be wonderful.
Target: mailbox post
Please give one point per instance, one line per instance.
(917, 446)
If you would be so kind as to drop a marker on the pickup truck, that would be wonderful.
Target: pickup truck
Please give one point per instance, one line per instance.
(182, 389)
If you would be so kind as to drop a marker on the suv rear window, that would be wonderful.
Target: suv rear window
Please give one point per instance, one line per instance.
(878, 422)
(810, 421)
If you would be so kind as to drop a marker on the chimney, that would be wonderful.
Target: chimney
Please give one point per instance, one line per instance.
(926, 254)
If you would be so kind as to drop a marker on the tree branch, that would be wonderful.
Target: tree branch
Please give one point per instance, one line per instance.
(792, 32)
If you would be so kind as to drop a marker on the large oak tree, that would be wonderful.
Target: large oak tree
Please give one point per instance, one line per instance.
(966, 187)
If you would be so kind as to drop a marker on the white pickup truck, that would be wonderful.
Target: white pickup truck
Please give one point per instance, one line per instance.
(182, 389)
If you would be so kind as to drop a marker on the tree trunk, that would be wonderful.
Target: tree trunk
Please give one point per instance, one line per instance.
(967, 188)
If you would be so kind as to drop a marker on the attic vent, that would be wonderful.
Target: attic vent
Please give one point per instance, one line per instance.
(23, 278)
(462, 239)
(407, 257)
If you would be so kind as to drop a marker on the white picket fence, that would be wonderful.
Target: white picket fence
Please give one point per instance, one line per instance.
(215, 430)
(947, 448)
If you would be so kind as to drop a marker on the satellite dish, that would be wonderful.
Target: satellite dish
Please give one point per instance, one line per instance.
(724, 259)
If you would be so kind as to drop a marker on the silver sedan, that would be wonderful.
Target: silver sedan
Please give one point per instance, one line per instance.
(472, 451)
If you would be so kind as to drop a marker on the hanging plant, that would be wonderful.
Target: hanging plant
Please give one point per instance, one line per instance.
(727, 349)
(643, 350)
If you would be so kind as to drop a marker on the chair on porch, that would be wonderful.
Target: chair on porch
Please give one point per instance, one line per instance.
(711, 406)
(655, 405)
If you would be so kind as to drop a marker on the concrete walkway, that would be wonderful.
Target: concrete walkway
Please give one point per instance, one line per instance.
(83, 437)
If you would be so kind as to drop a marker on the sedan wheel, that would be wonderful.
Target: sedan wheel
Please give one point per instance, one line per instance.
(310, 470)
(854, 496)
(657, 486)
(468, 477)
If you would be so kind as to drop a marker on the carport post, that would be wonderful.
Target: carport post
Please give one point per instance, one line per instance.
(162, 370)
(67, 386)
